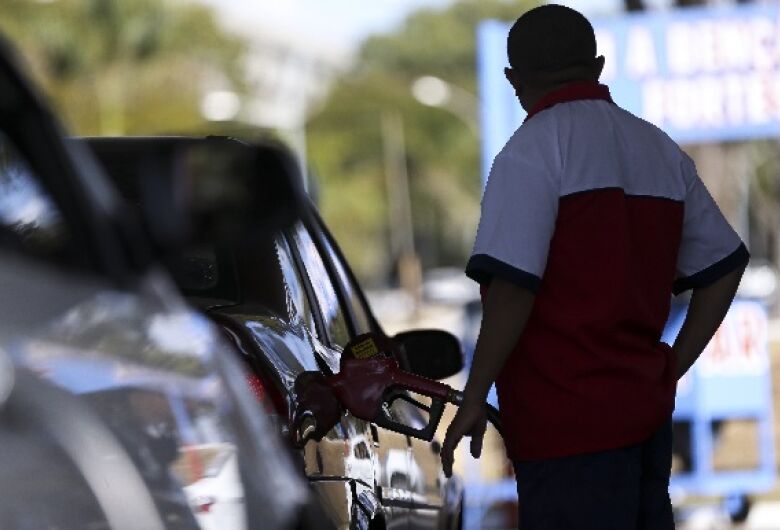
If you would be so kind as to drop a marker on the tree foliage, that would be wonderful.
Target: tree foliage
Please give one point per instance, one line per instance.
(346, 147)
(123, 66)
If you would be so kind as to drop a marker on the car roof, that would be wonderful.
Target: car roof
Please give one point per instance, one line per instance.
(115, 152)
(139, 144)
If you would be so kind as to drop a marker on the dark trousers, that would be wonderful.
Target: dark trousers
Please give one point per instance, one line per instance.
(620, 489)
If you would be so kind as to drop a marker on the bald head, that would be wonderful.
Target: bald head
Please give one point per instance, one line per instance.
(553, 44)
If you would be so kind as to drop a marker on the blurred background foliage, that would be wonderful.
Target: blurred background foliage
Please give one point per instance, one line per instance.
(346, 145)
(114, 67)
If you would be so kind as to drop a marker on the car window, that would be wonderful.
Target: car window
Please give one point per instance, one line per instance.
(265, 272)
(297, 302)
(332, 313)
(196, 269)
(28, 216)
(360, 312)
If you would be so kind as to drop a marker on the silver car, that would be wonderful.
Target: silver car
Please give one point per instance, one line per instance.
(116, 402)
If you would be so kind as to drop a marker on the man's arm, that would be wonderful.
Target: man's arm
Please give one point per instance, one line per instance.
(506, 310)
(706, 311)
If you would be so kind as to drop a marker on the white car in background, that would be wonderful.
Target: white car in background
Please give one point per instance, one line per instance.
(212, 488)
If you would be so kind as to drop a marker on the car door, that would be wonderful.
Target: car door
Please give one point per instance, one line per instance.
(278, 314)
(132, 375)
(390, 454)
(425, 476)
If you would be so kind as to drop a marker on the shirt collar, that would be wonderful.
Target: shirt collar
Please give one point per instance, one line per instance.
(577, 91)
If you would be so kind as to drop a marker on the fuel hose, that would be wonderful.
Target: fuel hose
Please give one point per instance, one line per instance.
(456, 398)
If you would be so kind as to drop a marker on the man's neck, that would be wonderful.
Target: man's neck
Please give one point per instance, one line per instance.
(561, 92)
(535, 94)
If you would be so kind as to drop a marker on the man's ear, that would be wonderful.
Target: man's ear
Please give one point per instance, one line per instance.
(511, 76)
(598, 67)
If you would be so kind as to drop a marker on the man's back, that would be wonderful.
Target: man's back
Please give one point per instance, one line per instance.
(591, 218)
(609, 216)
(605, 291)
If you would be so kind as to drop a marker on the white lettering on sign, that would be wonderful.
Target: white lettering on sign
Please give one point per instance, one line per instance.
(640, 54)
(739, 347)
(705, 44)
(764, 52)
(735, 106)
(712, 101)
(710, 73)
(719, 45)
(733, 46)
(678, 49)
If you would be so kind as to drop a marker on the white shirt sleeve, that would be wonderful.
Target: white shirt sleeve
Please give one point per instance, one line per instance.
(709, 248)
(519, 211)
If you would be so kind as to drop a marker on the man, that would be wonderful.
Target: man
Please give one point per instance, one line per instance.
(590, 220)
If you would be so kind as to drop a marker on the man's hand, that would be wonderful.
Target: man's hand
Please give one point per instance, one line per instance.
(706, 311)
(470, 420)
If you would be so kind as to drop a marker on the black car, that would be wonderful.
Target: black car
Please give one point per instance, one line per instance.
(289, 302)
(118, 402)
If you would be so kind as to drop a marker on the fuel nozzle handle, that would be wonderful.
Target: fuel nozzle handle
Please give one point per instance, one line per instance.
(368, 385)
(371, 381)
(317, 410)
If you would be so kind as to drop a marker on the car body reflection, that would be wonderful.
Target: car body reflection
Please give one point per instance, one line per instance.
(151, 377)
(212, 485)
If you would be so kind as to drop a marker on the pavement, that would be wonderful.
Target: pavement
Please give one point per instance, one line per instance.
(763, 516)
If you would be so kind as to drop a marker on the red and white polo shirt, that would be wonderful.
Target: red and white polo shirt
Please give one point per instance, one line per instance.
(603, 217)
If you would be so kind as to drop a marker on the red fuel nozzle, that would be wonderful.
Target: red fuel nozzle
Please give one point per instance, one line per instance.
(317, 411)
(370, 381)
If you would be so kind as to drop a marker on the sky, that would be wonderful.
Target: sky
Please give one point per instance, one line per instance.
(338, 26)
(335, 26)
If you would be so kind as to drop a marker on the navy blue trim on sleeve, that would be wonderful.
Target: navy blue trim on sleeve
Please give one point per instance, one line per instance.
(482, 268)
(714, 272)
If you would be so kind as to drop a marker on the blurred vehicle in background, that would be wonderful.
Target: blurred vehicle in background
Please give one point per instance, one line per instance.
(213, 491)
(290, 303)
(116, 399)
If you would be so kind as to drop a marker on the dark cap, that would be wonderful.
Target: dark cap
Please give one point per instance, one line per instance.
(549, 38)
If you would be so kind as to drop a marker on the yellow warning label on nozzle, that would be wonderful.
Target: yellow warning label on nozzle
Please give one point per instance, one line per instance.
(365, 349)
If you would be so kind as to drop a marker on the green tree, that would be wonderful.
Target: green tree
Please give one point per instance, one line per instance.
(346, 146)
(123, 66)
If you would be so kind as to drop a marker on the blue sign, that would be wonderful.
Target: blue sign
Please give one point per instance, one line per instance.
(731, 380)
(702, 75)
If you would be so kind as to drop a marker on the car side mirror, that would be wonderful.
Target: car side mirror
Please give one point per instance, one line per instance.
(431, 353)
(193, 191)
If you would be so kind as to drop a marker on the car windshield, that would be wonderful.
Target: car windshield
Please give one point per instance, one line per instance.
(212, 275)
